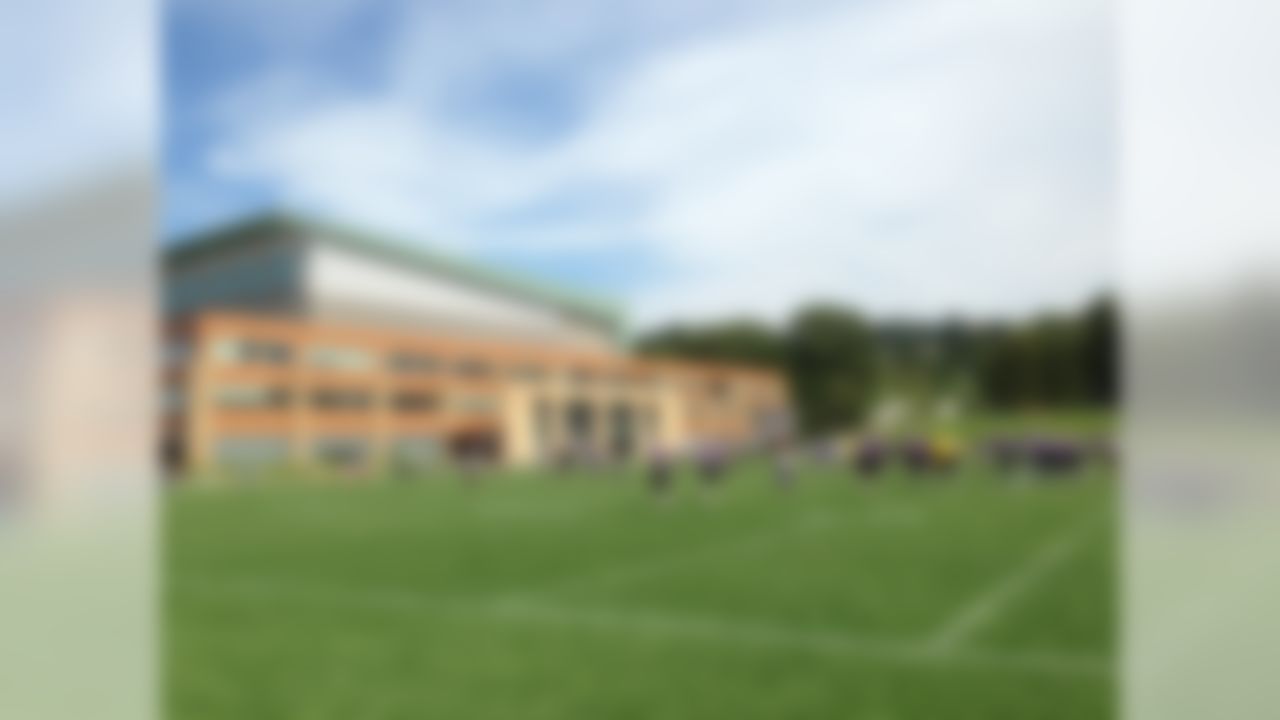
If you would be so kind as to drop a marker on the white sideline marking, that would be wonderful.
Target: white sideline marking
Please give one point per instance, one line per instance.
(980, 611)
(706, 629)
(825, 642)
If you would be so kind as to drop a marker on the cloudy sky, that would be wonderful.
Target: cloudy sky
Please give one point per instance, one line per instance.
(694, 158)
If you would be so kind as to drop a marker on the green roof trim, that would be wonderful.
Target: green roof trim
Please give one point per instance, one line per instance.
(603, 313)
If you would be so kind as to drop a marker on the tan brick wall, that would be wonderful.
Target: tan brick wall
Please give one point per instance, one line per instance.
(672, 403)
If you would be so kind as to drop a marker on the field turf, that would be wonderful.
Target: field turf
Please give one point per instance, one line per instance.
(579, 596)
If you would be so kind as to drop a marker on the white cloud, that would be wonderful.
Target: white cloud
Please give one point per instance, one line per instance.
(937, 156)
(910, 157)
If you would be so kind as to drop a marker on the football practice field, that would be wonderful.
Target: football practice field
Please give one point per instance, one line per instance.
(580, 596)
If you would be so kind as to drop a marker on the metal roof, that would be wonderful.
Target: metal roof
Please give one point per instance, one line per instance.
(603, 313)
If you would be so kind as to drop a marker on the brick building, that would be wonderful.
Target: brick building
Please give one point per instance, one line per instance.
(295, 342)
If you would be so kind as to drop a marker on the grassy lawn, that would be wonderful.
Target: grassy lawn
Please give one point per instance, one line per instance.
(537, 596)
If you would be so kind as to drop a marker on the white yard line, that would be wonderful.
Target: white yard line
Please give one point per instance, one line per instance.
(750, 635)
(971, 617)
(674, 626)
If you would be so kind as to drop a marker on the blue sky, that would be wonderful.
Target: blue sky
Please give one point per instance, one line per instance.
(694, 158)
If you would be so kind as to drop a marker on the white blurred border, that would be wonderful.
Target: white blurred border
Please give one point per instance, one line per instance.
(78, 611)
(1201, 271)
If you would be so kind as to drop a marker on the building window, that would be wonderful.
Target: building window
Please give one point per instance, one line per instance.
(416, 452)
(529, 373)
(719, 390)
(580, 421)
(474, 368)
(341, 399)
(340, 358)
(476, 404)
(344, 453)
(173, 399)
(252, 351)
(252, 397)
(415, 402)
(254, 451)
(176, 353)
(622, 431)
(413, 363)
(626, 381)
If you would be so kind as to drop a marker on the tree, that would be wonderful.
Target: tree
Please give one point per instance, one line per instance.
(1100, 352)
(737, 340)
(999, 377)
(831, 361)
(837, 364)
(1052, 361)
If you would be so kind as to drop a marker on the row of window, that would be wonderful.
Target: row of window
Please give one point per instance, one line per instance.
(260, 397)
(268, 352)
(340, 451)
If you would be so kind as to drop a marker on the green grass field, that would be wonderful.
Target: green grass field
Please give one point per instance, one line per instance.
(580, 597)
